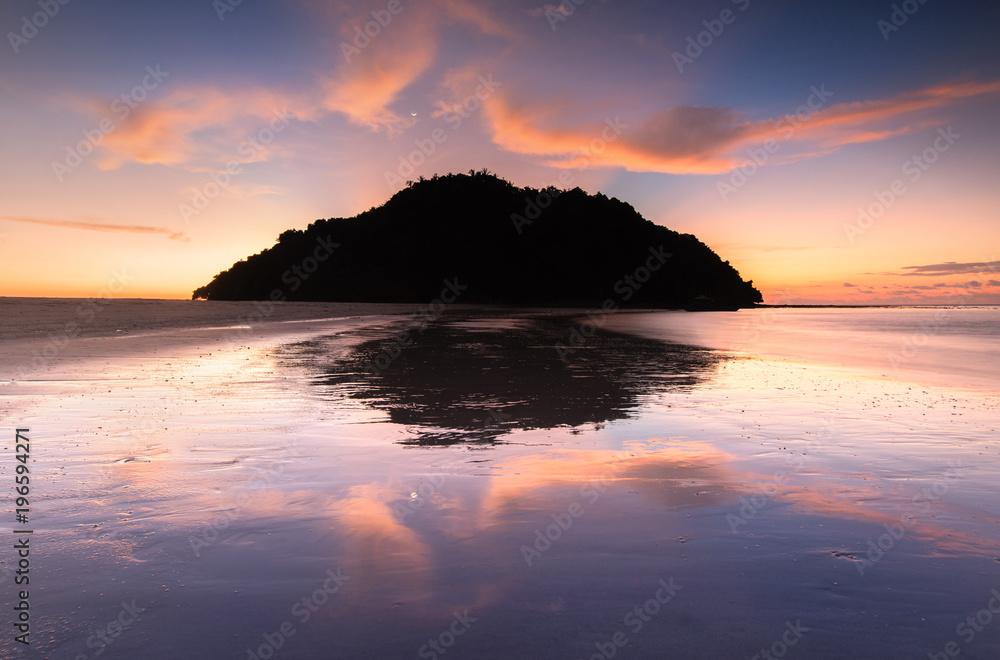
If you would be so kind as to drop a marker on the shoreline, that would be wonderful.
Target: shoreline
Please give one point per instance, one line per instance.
(25, 356)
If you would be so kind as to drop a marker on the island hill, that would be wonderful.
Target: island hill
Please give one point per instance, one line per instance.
(486, 241)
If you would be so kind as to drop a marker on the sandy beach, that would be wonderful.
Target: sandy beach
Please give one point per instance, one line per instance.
(383, 484)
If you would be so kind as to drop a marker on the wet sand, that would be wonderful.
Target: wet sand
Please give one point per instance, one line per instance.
(301, 489)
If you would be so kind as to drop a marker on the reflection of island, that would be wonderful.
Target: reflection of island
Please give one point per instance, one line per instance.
(476, 379)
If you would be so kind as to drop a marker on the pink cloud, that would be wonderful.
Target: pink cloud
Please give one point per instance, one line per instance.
(101, 226)
(710, 140)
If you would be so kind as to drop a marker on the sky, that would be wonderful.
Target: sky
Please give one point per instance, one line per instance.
(836, 152)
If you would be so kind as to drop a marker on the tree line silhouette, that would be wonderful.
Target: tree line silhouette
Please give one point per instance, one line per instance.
(506, 245)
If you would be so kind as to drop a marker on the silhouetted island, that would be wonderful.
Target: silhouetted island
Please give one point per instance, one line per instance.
(476, 238)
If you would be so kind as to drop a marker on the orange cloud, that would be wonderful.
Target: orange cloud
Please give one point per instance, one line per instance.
(865, 113)
(374, 79)
(175, 129)
(179, 126)
(709, 140)
(99, 226)
(953, 268)
(461, 83)
(376, 70)
(684, 140)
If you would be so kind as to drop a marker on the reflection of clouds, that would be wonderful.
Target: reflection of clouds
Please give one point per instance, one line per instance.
(377, 546)
(925, 506)
(674, 478)
(929, 519)
(483, 520)
(411, 559)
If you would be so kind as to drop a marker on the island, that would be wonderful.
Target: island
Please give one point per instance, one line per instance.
(477, 239)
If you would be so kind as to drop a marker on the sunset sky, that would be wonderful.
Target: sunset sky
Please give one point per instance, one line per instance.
(163, 141)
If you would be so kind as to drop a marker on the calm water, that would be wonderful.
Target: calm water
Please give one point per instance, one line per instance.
(948, 345)
(680, 485)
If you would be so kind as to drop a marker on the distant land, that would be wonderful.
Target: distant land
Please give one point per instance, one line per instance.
(477, 239)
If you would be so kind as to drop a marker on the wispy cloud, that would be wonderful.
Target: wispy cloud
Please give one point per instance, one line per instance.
(365, 88)
(100, 226)
(953, 268)
(194, 122)
(711, 140)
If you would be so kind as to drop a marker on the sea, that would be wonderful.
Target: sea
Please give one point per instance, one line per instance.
(253, 480)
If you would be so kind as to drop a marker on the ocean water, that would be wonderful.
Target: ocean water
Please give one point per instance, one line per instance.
(957, 346)
(494, 483)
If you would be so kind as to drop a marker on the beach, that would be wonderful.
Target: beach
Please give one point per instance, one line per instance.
(294, 481)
